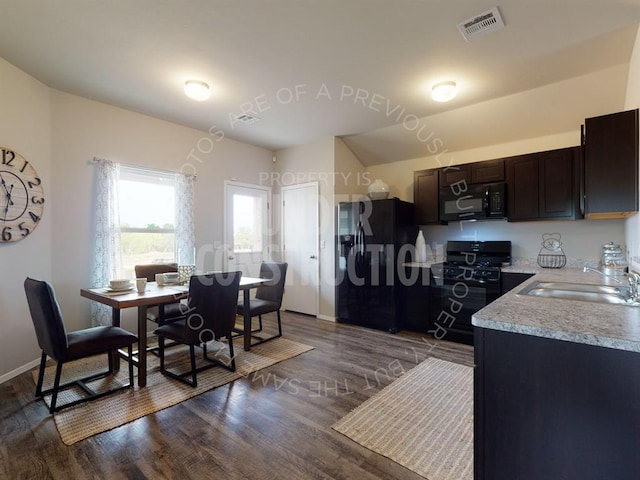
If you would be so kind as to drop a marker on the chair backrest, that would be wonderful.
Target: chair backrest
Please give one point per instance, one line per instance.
(274, 290)
(149, 270)
(212, 304)
(46, 317)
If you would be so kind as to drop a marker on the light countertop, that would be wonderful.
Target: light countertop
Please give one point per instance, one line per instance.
(605, 325)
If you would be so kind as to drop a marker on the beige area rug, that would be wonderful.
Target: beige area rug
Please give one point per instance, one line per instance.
(84, 420)
(423, 421)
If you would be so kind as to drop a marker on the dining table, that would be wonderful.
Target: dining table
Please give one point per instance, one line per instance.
(153, 295)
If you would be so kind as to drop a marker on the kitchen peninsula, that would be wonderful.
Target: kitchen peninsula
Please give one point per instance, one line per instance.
(557, 386)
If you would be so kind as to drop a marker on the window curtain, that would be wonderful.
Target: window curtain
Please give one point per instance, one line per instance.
(106, 251)
(185, 223)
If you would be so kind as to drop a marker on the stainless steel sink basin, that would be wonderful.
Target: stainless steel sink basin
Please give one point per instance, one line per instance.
(580, 291)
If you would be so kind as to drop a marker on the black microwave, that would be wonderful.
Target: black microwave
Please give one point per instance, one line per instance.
(476, 202)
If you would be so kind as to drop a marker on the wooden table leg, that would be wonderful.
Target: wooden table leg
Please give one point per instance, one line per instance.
(115, 321)
(247, 320)
(142, 345)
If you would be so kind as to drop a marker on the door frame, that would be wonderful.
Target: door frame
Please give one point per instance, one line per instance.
(284, 189)
(225, 232)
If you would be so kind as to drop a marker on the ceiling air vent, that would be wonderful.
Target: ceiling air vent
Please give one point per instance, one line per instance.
(486, 22)
(247, 118)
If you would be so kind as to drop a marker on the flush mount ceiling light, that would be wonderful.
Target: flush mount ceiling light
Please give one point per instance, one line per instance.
(196, 90)
(444, 91)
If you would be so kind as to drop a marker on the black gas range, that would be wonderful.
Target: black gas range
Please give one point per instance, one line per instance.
(468, 280)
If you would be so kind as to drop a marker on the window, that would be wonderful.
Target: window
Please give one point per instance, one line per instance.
(247, 223)
(147, 204)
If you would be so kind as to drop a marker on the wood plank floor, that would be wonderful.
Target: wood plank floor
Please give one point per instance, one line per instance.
(274, 425)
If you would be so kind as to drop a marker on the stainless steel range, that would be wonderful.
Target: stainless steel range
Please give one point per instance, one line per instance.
(468, 280)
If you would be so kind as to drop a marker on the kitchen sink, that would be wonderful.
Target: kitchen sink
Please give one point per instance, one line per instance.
(610, 294)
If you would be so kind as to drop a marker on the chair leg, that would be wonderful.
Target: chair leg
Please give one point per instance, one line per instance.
(161, 352)
(260, 322)
(110, 362)
(56, 386)
(279, 324)
(43, 362)
(131, 382)
(231, 354)
(192, 352)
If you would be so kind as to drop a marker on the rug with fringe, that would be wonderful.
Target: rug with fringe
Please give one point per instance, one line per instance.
(423, 421)
(84, 420)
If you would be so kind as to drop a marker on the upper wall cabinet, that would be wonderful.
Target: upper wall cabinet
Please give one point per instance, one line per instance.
(489, 171)
(611, 165)
(425, 196)
(544, 185)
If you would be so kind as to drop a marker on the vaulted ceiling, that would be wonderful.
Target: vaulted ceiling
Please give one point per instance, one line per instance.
(358, 69)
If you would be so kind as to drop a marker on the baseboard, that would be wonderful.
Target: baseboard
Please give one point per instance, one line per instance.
(24, 368)
(327, 318)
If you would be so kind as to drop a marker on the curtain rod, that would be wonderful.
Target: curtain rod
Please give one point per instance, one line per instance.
(98, 160)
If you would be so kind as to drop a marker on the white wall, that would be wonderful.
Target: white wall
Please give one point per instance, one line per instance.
(25, 127)
(314, 162)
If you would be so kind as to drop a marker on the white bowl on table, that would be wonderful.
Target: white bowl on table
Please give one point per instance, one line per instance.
(120, 283)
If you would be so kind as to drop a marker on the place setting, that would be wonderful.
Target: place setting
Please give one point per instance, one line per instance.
(123, 286)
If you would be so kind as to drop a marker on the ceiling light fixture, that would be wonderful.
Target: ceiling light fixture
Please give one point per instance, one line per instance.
(196, 90)
(444, 91)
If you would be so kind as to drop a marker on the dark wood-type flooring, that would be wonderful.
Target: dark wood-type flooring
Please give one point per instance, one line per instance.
(273, 425)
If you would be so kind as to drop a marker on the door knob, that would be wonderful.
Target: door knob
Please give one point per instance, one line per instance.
(313, 257)
(230, 257)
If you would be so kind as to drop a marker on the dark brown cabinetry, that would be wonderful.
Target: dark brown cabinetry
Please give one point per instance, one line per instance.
(544, 185)
(611, 165)
(426, 184)
(489, 171)
(551, 409)
(455, 174)
(511, 280)
(425, 196)
(416, 295)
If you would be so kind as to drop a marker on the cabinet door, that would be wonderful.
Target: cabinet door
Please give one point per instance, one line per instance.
(611, 165)
(511, 280)
(522, 187)
(455, 174)
(416, 297)
(487, 172)
(557, 184)
(425, 196)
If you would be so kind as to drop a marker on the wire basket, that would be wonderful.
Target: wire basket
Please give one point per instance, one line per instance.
(546, 260)
(551, 254)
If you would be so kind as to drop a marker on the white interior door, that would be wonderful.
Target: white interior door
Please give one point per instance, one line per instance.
(300, 245)
(247, 227)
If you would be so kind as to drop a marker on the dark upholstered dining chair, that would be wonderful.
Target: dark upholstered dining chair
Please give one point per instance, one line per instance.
(268, 297)
(210, 315)
(64, 347)
(162, 313)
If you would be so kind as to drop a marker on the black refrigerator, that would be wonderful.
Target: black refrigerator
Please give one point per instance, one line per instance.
(374, 238)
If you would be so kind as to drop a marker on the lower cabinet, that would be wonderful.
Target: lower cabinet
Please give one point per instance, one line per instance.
(547, 409)
(511, 280)
(416, 297)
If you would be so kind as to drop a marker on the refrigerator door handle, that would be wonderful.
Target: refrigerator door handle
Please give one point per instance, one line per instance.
(360, 245)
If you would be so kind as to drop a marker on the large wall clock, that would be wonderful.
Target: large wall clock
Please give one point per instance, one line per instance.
(21, 197)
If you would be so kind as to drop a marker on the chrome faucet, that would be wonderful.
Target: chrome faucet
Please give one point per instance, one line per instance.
(632, 282)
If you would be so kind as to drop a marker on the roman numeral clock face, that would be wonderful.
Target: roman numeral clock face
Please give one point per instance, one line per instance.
(21, 197)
